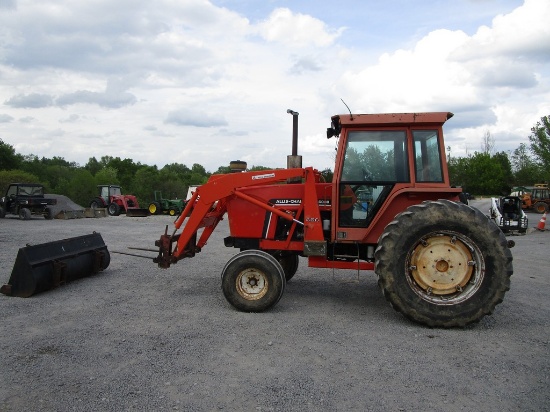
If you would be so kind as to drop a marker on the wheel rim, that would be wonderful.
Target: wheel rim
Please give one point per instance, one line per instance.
(172, 212)
(252, 284)
(152, 209)
(445, 268)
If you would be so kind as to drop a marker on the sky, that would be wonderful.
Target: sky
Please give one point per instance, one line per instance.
(209, 82)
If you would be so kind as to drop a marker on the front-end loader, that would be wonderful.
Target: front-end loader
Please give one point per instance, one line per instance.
(389, 208)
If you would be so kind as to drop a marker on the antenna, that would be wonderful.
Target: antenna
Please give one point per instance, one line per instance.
(350, 115)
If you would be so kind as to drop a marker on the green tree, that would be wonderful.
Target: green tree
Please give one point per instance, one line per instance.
(487, 175)
(145, 182)
(255, 168)
(222, 170)
(482, 174)
(107, 176)
(8, 158)
(199, 169)
(505, 175)
(327, 174)
(15, 176)
(93, 166)
(55, 173)
(81, 189)
(526, 170)
(458, 172)
(126, 169)
(171, 185)
(540, 144)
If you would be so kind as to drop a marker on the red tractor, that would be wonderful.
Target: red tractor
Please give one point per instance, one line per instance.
(389, 209)
(111, 197)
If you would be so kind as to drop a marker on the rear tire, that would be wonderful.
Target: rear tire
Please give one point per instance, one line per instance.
(288, 261)
(48, 213)
(2, 213)
(540, 207)
(253, 281)
(96, 204)
(154, 208)
(113, 209)
(443, 264)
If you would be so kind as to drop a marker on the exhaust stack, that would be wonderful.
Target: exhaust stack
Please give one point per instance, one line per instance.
(294, 161)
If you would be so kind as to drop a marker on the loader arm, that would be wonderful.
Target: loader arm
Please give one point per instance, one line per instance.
(208, 205)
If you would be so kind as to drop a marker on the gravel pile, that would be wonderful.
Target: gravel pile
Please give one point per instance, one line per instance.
(64, 204)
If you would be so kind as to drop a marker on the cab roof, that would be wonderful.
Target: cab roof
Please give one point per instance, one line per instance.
(394, 118)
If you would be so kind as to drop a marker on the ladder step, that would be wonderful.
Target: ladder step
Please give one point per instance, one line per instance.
(346, 256)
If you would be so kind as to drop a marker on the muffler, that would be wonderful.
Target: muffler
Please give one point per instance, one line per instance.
(42, 267)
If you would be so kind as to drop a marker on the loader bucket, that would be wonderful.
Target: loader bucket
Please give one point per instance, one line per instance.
(42, 267)
(137, 212)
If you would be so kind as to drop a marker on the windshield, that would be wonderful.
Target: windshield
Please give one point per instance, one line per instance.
(29, 190)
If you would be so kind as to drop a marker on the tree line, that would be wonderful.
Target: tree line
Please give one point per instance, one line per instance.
(488, 173)
(481, 173)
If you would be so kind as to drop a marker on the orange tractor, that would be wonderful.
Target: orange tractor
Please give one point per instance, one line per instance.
(535, 198)
(390, 208)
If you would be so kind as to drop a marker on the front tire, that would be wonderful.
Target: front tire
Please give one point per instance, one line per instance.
(113, 209)
(443, 264)
(24, 213)
(253, 281)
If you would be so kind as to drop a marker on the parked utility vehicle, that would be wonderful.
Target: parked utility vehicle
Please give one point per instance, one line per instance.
(25, 200)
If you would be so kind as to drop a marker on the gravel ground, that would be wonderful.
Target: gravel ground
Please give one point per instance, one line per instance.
(136, 337)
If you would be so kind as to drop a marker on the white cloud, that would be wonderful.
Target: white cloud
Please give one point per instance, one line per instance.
(188, 82)
(522, 33)
(297, 30)
(186, 117)
(5, 118)
(33, 100)
(483, 78)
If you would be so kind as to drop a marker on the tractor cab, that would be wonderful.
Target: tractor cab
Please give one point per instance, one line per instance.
(107, 191)
(385, 162)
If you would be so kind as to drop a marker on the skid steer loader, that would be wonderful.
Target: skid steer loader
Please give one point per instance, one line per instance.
(390, 208)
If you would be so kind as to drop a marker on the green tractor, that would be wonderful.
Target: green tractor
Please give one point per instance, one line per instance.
(171, 206)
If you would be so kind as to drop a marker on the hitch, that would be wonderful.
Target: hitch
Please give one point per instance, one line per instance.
(166, 257)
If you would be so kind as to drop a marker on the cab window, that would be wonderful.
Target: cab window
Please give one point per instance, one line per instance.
(373, 162)
(427, 159)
